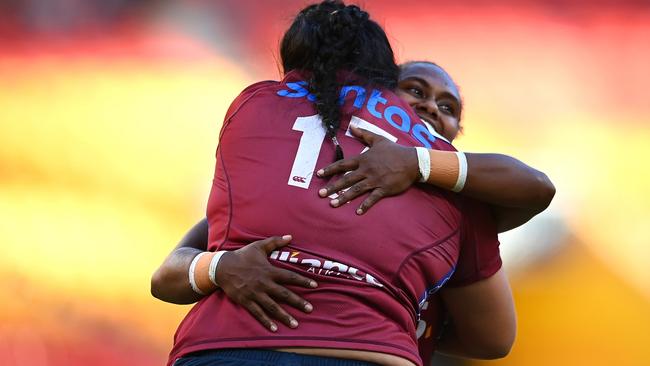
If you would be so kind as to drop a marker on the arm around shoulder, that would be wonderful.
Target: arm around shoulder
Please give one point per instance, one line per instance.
(515, 191)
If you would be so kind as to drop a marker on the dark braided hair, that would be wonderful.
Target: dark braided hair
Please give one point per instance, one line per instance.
(330, 36)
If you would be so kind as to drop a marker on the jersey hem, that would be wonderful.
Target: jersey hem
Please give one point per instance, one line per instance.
(298, 342)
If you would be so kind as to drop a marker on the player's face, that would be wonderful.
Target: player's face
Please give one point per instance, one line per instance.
(433, 95)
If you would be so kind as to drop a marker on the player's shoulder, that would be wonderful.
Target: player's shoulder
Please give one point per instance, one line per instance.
(255, 88)
(259, 85)
(249, 92)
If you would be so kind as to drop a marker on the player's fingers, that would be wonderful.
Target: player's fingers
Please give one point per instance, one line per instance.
(369, 138)
(273, 243)
(346, 181)
(287, 296)
(287, 277)
(374, 197)
(275, 310)
(339, 167)
(259, 314)
(356, 190)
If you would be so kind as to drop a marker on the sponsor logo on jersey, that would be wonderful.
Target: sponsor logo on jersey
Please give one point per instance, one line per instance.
(374, 103)
(299, 179)
(325, 267)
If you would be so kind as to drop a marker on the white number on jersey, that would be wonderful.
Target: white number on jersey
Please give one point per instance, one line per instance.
(311, 141)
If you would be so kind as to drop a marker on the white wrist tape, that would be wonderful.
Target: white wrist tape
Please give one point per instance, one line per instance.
(191, 273)
(424, 163)
(462, 172)
(212, 271)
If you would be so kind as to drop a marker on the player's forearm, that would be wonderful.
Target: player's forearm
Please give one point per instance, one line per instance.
(516, 191)
(170, 282)
(504, 181)
(492, 178)
(388, 169)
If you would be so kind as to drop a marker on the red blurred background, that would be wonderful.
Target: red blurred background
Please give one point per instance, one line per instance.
(109, 112)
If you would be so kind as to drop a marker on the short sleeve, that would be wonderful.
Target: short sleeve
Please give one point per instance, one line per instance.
(242, 98)
(479, 244)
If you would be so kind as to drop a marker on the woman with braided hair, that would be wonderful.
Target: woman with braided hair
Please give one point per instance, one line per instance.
(369, 278)
(341, 41)
(363, 315)
(363, 299)
(477, 296)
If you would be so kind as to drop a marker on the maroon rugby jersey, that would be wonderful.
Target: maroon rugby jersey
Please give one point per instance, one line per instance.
(372, 270)
(479, 259)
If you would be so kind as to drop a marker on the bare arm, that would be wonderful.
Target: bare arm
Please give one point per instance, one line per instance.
(245, 275)
(516, 191)
(483, 321)
(170, 282)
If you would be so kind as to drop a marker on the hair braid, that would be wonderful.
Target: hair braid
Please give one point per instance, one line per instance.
(328, 37)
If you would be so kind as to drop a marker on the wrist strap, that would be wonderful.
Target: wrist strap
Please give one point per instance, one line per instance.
(444, 168)
(462, 172)
(212, 271)
(191, 273)
(424, 163)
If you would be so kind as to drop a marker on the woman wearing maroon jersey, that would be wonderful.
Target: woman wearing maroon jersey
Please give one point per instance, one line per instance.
(331, 117)
(434, 95)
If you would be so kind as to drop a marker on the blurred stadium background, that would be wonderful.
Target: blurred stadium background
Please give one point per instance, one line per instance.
(110, 109)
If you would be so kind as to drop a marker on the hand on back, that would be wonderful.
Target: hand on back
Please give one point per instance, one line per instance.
(386, 169)
(249, 279)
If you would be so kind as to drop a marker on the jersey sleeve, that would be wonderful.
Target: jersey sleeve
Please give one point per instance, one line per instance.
(242, 98)
(479, 245)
